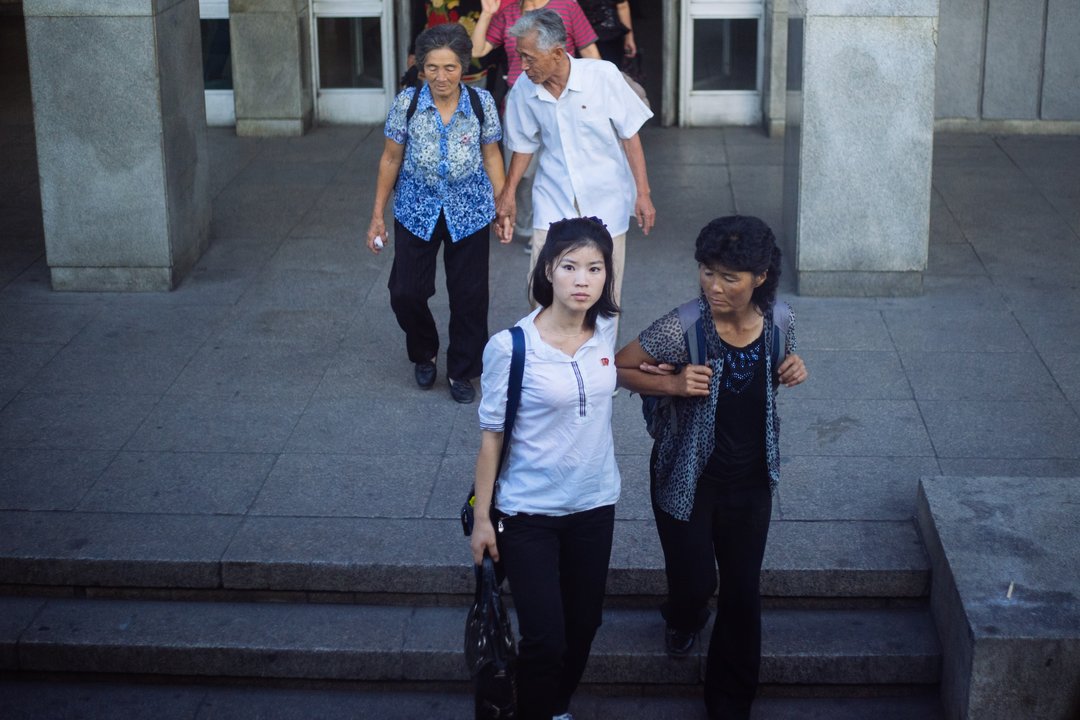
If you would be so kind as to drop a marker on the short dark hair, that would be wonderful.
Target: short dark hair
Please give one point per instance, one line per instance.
(745, 244)
(448, 35)
(570, 234)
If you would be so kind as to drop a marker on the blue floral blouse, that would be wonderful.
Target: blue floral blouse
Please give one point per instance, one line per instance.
(443, 169)
(681, 458)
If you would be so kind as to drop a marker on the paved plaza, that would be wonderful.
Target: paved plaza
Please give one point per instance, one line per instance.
(273, 382)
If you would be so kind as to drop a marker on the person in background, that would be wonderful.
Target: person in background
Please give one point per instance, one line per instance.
(493, 31)
(713, 472)
(553, 517)
(447, 168)
(614, 28)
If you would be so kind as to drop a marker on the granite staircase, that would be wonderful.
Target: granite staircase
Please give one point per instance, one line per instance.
(846, 615)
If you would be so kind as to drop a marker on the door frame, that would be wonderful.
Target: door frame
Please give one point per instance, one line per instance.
(354, 106)
(719, 107)
(220, 104)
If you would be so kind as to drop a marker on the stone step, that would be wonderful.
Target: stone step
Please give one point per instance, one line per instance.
(106, 701)
(856, 559)
(394, 644)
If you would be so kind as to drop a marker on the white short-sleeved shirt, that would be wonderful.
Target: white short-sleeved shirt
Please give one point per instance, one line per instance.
(562, 459)
(582, 158)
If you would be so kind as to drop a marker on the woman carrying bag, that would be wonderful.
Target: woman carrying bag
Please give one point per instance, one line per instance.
(442, 161)
(713, 471)
(553, 514)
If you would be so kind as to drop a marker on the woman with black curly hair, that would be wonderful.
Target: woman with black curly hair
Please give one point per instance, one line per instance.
(713, 471)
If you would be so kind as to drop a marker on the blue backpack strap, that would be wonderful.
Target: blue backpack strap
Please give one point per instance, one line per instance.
(781, 327)
(690, 319)
(513, 392)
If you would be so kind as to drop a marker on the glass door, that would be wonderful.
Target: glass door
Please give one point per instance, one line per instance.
(721, 62)
(217, 62)
(353, 60)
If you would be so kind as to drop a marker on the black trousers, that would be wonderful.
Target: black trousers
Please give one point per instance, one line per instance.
(557, 567)
(412, 284)
(727, 531)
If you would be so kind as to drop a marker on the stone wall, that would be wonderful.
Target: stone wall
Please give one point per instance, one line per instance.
(1008, 61)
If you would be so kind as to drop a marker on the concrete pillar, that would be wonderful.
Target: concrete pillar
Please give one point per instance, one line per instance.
(773, 95)
(271, 62)
(121, 140)
(862, 211)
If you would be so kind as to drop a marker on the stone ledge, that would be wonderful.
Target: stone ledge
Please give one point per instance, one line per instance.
(408, 555)
(403, 644)
(1005, 556)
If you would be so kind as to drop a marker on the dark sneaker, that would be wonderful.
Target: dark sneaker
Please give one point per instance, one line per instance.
(425, 374)
(462, 391)
(679, 643)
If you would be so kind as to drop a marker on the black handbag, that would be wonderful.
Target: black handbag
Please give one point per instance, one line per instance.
(513, 399)
(490, 650)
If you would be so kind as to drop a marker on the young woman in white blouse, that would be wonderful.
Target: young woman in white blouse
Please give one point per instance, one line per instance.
(554, 510)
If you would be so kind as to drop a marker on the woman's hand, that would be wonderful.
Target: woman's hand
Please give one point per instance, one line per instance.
(377, 229)
(505, 212)
(483, 538)
(658, 369)
(693, 381)
(490, 7)
(792, 371)
(629, 46)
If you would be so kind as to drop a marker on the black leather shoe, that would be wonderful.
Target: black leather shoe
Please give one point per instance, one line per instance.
(425, 374)
(678, 643)
(462, 391)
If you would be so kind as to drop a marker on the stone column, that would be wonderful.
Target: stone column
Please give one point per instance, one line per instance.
(121, 140)
(773, 95)
(271, 61)
(866, 140)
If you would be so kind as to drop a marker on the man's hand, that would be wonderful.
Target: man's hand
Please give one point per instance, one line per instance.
(645, 212)
(505, 213)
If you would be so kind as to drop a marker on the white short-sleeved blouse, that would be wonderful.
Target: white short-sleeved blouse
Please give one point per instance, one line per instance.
(561, 459)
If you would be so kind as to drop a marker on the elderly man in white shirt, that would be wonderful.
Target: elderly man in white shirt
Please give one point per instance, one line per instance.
(583, 120)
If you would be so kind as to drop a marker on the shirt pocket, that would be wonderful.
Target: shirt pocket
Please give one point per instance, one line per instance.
(596, 132)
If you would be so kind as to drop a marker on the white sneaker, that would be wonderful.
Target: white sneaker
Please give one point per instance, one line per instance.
(564, 716)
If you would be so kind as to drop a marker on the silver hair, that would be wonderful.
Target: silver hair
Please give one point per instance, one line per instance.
(548, 26)
(448, 35)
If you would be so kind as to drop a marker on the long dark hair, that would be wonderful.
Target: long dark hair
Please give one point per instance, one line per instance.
(570, 234)
(745, 244)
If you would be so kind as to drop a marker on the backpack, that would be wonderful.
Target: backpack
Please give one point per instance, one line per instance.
(659, 410)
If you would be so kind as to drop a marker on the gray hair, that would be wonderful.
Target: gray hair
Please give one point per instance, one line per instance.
(548, 26)
(448, 35)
